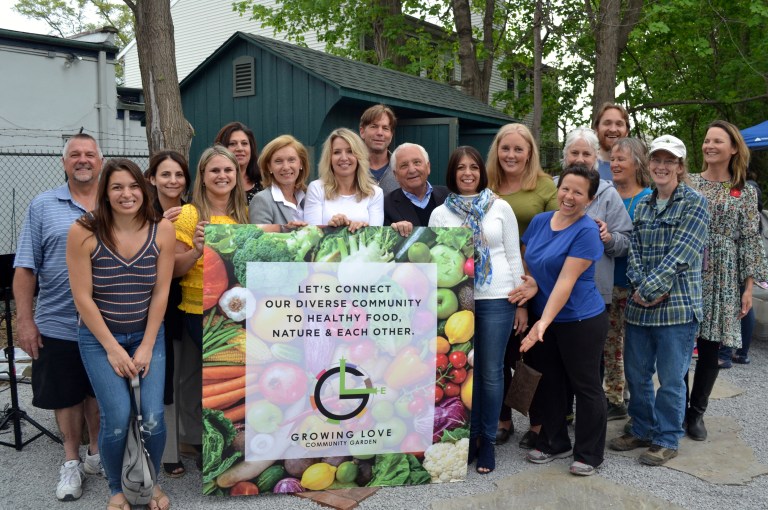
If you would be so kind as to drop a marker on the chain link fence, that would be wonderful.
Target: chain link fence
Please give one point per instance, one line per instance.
(23, 176)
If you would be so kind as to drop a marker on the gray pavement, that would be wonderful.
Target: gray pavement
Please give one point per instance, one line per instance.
(28, 477)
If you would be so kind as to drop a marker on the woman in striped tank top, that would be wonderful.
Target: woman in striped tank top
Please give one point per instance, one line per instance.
(120, 260)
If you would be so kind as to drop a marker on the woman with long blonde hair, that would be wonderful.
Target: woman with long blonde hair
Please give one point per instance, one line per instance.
(345, 193)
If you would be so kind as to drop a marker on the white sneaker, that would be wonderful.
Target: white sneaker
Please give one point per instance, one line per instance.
(70, 485)
(92, 465)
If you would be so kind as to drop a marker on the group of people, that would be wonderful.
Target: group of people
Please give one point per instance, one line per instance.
(563, 267)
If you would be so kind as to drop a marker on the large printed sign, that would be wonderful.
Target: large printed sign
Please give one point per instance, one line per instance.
(345, 356)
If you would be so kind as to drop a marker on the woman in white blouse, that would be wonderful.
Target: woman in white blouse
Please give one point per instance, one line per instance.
(345, 193)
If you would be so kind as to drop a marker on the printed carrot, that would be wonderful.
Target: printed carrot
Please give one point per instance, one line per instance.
(223, 372)
(235, 413)
(224, 400)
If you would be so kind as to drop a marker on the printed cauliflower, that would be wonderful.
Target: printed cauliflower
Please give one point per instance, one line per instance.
(447, 462)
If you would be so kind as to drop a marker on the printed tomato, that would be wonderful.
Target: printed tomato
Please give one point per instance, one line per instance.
(438, 394)
(452, 390)
(457, 375)
(215, 279)
(244, 489)
(458, 359)
(441, 361)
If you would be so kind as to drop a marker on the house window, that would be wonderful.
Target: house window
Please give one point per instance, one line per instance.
(243, 77)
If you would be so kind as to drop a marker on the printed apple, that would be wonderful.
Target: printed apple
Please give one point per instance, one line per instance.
(398, 430)
(264, 416)
(412, 280)
(283, 383)
(447, 303)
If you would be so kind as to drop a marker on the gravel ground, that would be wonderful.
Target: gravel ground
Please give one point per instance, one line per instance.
(29, 476)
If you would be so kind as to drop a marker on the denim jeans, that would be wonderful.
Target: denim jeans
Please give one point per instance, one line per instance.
(658, 416)
(747, 328)
(114, 398)
(494, 319)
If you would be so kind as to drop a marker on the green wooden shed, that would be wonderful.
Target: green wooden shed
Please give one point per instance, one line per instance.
(275, 87)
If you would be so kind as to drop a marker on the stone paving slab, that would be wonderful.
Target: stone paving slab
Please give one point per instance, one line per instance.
(722, 459)
(554, 487)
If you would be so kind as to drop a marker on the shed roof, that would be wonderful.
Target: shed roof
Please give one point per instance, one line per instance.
(367, 82)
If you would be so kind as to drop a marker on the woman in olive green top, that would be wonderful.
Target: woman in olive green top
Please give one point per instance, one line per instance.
(515, 174)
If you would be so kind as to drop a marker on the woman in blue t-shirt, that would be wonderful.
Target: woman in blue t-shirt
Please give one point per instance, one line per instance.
(569, 319)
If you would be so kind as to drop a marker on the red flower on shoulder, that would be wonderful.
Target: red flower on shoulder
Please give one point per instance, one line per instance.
(735, 192)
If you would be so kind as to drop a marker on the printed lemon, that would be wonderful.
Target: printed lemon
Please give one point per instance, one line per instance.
(460, 327)
(419, 252)
(318, 476)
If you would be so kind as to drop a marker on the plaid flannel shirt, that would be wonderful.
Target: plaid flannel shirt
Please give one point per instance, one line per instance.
(665, 257)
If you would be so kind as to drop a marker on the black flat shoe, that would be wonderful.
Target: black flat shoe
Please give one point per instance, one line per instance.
(528, 441)
(502, 435)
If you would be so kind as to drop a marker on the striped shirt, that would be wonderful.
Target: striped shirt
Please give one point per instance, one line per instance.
(42, 248)
(665, 257)
(122, 289)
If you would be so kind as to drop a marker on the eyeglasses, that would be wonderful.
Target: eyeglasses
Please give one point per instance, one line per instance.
(664, 162)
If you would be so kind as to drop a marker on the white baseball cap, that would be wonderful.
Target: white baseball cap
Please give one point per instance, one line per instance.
(670, 144)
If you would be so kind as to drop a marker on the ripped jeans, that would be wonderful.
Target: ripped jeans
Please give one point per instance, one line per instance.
(114, 398)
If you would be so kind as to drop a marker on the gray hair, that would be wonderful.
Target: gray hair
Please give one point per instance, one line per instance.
(80, 136)
(639, 154)
(581, 133)
(393, 157)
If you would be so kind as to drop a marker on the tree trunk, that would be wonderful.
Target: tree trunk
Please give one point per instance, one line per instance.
(615, 20)
(167, 128)
(537, 88)
(388, 11)
(475, 74)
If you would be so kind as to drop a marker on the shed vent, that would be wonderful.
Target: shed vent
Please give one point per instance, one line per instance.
(243, 77)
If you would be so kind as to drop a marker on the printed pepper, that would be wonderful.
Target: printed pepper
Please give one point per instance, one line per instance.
(406, 369)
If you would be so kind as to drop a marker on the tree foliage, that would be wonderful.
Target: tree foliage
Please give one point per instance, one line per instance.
(407, 35)
(69, 17)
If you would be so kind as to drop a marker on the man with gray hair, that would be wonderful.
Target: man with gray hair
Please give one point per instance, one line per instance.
(416, 198)
(49, 336)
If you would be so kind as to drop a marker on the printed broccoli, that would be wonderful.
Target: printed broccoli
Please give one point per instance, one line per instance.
(276, 247)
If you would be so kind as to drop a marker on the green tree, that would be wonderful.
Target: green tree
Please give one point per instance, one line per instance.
(690, 62)
(401, 36)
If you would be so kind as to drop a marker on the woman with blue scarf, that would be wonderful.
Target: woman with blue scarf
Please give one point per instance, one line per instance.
(498, 270)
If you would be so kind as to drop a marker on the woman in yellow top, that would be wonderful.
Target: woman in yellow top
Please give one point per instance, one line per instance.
(515, 175)
(217, 198)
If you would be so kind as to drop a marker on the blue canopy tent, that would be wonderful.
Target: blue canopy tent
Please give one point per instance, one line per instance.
(756, 137)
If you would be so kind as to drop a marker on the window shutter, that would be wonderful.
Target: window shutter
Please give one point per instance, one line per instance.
(243, 77)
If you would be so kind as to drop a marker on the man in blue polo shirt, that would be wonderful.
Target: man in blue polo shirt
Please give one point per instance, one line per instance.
(59, 380)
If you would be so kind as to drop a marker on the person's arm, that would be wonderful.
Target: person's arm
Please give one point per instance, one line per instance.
(376, 208)
(572, 269)
(186, 256)
(313, 204)
(618, 225)
(166, 243)
(27, 335)
(751, 253)
(80, 244)
(260, 211)
(687, 244)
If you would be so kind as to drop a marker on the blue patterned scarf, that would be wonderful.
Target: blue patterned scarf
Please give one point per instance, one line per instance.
(473, 213)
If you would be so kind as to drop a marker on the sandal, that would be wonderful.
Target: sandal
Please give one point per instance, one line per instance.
(486, 457)
(174, 469)
(118, 506)
(157, 498)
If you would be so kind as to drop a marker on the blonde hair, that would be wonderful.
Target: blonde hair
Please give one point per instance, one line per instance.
(277, 144)
(364, 180)
(237, 209)
(532, 171)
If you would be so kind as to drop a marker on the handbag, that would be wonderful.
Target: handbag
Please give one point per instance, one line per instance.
(138, 477)
(525, 380)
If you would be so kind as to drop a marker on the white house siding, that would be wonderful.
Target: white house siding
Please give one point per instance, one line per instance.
(200, 27)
